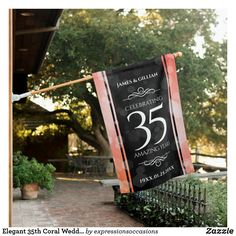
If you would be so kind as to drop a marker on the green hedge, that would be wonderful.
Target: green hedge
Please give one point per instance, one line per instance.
(154, 213)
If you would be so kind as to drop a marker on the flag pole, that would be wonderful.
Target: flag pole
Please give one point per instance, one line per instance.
(17, 97)
(178, 54)
(86, 78)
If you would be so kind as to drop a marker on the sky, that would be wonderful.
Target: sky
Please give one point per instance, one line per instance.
(221, 28)
(219, 31)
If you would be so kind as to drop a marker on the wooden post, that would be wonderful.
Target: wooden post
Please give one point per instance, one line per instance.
(86, 78)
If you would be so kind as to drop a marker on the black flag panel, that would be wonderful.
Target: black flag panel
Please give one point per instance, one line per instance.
(143, 117)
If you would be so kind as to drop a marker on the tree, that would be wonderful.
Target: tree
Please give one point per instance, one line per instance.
(93, 40)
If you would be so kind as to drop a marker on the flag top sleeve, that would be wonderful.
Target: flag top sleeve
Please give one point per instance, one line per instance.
(143, 117)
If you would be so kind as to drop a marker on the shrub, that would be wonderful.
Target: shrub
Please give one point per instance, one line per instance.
(217, 203)
(146, 207)
(27, 171)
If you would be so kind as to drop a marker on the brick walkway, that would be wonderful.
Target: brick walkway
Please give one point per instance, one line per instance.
(71, 204)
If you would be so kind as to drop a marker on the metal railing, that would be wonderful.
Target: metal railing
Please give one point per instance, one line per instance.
(175, 198)
(176, 202)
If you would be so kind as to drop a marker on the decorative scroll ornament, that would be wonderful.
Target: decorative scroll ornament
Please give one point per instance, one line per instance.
(157, 160)
(141, 92)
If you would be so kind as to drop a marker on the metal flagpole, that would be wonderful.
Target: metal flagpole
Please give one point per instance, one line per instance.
(17, 97)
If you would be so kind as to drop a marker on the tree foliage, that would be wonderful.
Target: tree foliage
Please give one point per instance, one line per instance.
(93, 40)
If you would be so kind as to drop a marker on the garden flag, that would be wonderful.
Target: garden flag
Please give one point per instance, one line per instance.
(143, 117)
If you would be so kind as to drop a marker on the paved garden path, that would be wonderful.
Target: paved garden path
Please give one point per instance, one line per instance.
(78, 203)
